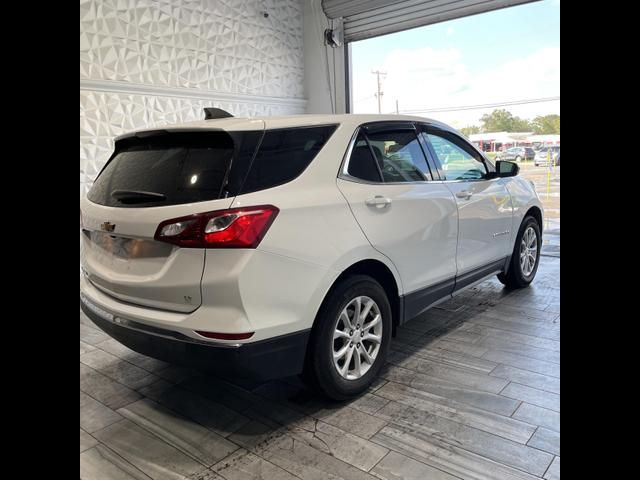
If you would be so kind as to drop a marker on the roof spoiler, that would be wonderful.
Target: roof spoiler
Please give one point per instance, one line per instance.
(212, 112)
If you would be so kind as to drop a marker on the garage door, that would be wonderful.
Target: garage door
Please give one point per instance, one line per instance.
(371, 18)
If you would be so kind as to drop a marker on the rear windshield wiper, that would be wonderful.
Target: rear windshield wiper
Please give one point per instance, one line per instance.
(137, 196)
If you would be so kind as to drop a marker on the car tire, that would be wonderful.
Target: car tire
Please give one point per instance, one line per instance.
(321, 372)
(518, 158)
(521, 273)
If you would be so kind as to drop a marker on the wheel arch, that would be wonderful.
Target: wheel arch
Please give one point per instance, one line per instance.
(380, 272)
(536, 213)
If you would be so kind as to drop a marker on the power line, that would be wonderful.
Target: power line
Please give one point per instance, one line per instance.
(480, 106)
(365, 98)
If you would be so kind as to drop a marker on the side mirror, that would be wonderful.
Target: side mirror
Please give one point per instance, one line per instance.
(507, 169)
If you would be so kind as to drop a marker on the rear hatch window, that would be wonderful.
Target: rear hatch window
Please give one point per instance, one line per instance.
(171, 169)
(178, 168)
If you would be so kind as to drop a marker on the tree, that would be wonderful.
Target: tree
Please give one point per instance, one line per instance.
(503, 121)
(547, 124)
(466, 131)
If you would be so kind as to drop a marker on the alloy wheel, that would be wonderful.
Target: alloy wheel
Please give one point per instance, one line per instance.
(528, 251)
(357, 338)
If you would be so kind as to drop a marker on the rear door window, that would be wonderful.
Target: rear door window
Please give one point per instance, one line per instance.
(399, 155)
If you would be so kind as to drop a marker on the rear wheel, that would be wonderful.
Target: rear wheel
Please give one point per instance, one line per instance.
(525, 257)
(350, 340)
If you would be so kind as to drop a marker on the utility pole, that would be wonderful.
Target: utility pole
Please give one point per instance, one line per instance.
(397, 109)
(377, 73)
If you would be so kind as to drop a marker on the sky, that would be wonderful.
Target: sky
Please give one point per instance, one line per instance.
(507, 55)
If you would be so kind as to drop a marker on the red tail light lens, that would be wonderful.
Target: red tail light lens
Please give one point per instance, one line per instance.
(232, 228)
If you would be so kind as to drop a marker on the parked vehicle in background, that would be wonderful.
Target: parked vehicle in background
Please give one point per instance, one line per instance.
(517, 154)
(547, 154)
(275, 246)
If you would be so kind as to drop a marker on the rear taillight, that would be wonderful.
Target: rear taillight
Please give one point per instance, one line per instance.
(232, 228)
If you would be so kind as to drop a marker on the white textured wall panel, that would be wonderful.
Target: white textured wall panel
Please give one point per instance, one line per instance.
(154, 62)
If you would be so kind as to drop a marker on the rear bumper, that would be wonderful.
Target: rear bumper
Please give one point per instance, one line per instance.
(265, 359)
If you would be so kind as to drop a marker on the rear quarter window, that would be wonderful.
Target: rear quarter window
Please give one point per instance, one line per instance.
(284, 154)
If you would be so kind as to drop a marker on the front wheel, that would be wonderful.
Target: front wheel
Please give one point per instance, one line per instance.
(525, 257)
(518, 158)
(350, 340)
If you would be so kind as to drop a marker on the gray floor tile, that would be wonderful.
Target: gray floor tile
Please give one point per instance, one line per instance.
(482, 420)
(531, 327)
(86, 440)
(457, 347)
(484, 331)
(244, 465)
(117, 369)
(369, 403)
(515, 311)
(448, 457)
(460, 393)
(554, 470)
(533, 365)
(546, 440)
(116, 348)
(344, 446)
(104, 389)
(538, 416)
(191, 438)
(304, 461)
(214, 416)
(491, 446)
(533, 396)
(94, 415)
(175, 373)
(492, 343)
(525, 377)
(100, 463)
(148, 453)
(396, 466)
(447, 357)
(92, 335)
(469, 378)
(352, 421)
(85, 347)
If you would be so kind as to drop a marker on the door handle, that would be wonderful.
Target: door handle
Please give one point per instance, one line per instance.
(466, 194)
(378, 201)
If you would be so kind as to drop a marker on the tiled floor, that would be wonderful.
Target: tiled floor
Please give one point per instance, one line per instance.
(471, 391)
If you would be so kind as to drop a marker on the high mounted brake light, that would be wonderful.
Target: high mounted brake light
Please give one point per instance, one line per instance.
(232, 228)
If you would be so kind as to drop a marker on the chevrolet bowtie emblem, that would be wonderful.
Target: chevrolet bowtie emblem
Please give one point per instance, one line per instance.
(108, 226)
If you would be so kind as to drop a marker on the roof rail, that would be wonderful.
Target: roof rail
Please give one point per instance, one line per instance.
(212, 112)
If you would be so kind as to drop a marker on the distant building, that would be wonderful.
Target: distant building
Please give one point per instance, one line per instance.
(496, 141)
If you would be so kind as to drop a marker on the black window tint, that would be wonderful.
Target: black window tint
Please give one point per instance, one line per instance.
(176, 168)
(400, 156)
(248, 142)
(284, 154)
(361, 163)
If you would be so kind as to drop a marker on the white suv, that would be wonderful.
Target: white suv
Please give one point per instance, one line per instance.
(283, 245)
